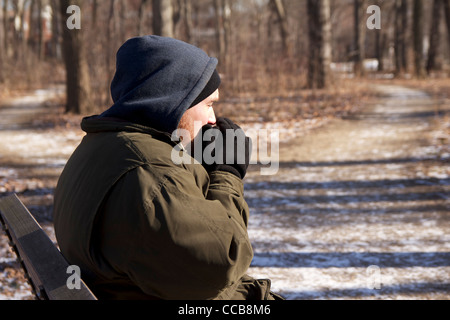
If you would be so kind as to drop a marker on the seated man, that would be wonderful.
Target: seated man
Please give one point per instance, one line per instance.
(139, 225)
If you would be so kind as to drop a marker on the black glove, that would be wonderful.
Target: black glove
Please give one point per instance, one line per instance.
(227, 148)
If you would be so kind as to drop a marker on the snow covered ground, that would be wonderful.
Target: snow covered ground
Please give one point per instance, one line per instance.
(31, 159)
(359, 210)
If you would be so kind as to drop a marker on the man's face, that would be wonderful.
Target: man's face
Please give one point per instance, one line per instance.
(202, 113)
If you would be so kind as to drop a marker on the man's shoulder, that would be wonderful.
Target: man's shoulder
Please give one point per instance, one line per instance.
(152, 148)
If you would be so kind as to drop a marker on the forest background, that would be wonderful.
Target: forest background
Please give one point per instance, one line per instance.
(280, 59)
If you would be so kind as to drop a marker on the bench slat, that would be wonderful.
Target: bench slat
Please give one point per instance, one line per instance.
(42, 260)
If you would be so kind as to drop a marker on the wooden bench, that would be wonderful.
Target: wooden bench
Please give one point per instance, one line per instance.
(44, 265)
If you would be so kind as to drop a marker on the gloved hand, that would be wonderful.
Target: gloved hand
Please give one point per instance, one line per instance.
(227, 148)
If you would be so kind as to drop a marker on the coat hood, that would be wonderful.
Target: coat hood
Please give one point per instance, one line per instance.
(157, 79)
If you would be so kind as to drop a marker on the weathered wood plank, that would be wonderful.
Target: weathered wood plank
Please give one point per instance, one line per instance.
(42, 260)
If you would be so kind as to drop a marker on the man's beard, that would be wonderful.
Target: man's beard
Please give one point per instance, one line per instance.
(187, 124)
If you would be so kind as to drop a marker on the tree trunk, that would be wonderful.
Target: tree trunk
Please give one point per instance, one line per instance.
(418, 38)
(110, 35)
(188, 25)
(2, 48)
(163, 18)
(447, 17)
(121, 21)
(278, 7)
(140, 22)
(77, 76)
(55, 43)
(5, 28)
(36, 32)
(401, 27)
(41, 44)
(380, 48)
(19, 38)
(223, 30)
(226, 5)
(434, 36)
(220, 33)
(320, 54)
(359, 51)
(94, 14)
(183, 13)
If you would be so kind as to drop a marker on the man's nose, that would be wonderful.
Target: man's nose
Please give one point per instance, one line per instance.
(212, 117)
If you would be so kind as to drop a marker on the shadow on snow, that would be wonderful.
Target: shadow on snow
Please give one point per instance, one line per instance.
(351, 259)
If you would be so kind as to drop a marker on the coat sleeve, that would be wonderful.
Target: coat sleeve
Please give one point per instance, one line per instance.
(174, 239)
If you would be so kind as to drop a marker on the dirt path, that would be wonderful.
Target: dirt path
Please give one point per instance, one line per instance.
(362, 203)
(359, 209)
(32, 157)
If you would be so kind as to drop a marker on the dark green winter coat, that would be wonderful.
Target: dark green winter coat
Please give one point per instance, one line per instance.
(140, 226)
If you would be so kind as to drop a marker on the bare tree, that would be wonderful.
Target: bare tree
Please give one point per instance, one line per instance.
(277, 6)
(163, 18)
(77, 76)
(227, 13)
(5, 27)
(359, 36)
(222, 9)
(220, 34)
(187, 14)
(36, 34)
(418, 38)
(447, 17)
(94, 14)
(55, 42)
(183, 14)
(140, 22)
(41, 44)
(19, 39)
(320, 52)
(401, 27)
(2, 41)
(110, 36)
(434, 36)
